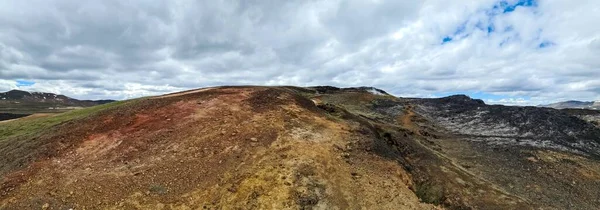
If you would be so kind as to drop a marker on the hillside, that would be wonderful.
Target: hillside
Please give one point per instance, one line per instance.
(299, 148)
(16, 103)
(574, 105)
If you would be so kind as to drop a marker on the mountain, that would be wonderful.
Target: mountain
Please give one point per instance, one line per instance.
(574, 105)
(51, 98)
(288, 147)
(22, 102)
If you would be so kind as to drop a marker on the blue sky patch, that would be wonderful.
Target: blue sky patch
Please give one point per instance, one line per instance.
(483, 27)
(486, 25)
(545, 44)
(446, 39)
(521, 3)
(490, 28)
(24, 83)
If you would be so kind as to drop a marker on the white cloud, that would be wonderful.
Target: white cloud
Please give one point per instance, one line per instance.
(509, 101)
(122, 49)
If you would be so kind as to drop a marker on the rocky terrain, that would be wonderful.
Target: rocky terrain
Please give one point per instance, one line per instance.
(511, 125)
(300, 148)
(591, 116)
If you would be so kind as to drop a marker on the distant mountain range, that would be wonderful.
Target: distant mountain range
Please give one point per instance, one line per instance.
(24, 102)
(39, 97)
(574, 105)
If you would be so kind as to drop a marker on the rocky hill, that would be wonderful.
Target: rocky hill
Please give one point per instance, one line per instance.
(18, 103)
(591, 116)
(512, 125)
(300, 148)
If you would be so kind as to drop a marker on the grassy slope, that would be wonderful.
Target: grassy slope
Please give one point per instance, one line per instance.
(24, 141)
(35, 125)
(29, 108)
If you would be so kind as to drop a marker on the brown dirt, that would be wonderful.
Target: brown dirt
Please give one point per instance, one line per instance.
(219, 148)
(416, 144)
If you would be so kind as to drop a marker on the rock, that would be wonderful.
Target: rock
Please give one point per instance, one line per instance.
(232, 189)
(338, 147)
(46, 206)
(254, 139)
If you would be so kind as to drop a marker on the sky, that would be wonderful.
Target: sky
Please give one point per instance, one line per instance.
(514, 52)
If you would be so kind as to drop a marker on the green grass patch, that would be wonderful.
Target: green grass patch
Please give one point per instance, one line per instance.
(430, 193)
(30, 126)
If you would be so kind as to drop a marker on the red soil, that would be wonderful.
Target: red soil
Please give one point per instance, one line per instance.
(250, 147)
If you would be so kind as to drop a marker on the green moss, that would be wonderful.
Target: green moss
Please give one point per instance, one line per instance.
(158, 189)
(430, 193)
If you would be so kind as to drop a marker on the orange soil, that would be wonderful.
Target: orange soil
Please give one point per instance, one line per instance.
(221, 148)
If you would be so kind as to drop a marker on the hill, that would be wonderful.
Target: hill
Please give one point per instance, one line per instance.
(300, 148)
(574, 105)
(16, 103)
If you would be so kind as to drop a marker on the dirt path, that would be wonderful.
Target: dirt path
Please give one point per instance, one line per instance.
(407, 120)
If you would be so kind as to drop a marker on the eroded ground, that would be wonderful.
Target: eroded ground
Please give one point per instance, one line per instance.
(225, 148)
(281, 148)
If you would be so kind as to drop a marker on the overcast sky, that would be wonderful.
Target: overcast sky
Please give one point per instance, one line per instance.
(510, 52)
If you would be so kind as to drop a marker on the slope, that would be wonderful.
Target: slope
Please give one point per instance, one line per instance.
(227, 147)
(299, 148)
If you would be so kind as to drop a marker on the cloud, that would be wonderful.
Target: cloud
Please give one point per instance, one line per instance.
(539, 51)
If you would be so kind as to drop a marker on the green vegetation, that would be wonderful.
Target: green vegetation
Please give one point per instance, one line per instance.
(34, 125)
(23, 140)
(30, 108)
(158, 189)
(430, 193)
